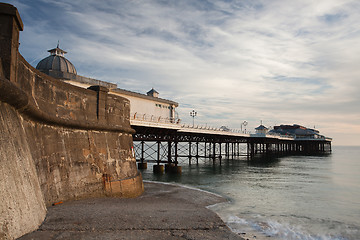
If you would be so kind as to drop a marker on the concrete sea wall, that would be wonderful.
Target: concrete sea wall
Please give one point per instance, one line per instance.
(58, 142)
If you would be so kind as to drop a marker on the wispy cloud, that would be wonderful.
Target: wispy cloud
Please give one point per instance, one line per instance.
(276, 61)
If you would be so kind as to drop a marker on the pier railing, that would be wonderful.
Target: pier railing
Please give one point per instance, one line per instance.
(153, 119)
(148, 120)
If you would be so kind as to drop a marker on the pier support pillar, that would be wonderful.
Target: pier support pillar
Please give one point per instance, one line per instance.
(189, 153)
(169, 152)
(142, 165)
(220, 156)
(158, 169)
(238, 149)
(214, 152)
(233, 150)
(227, 150)
(205, 149)
(176, 169)
(197, 153)
(176, 153)
(172, 168)
(168, 167)
(251, 149)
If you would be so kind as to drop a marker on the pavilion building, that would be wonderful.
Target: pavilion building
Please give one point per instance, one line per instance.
(147, 107)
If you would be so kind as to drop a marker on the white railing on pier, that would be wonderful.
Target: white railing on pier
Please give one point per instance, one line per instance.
(146, 120)
(313, 138)
(212, 130)
(153, 119)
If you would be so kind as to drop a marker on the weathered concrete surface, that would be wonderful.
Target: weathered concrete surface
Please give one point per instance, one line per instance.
(162, 212)
(22, 205)
(58, 142)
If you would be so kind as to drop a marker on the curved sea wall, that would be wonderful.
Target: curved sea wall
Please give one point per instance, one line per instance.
(58, 142)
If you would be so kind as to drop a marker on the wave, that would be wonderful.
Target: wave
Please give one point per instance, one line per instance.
(283, 231)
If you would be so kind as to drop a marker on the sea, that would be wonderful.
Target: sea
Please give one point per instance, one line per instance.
(281, 197)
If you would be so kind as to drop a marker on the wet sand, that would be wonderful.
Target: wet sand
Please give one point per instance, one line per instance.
(164, 211)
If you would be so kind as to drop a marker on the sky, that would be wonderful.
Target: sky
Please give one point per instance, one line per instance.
(275, 61)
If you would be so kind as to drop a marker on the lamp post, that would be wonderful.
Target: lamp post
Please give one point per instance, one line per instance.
(193, 115)
(244, 124)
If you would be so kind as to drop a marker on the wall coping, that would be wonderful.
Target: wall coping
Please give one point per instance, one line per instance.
(9, 9)
(14, 96)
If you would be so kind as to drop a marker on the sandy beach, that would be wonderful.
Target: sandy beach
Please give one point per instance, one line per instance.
(164, 211)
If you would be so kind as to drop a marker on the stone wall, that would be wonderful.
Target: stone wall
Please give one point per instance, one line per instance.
(58, 142)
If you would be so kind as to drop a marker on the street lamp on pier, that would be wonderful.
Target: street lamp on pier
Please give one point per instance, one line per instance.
(193, 115)
(244, 124)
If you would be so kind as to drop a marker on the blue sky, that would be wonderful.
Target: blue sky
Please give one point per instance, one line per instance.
(278, 61)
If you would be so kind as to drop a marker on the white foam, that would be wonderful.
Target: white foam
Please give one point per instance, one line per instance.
(273, 230)
(185, 186)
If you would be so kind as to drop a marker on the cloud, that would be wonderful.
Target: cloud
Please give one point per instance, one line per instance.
(229, 60)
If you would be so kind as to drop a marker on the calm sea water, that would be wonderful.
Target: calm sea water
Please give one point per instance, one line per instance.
(291, 197)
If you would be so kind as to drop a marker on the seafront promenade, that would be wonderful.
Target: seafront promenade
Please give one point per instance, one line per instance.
(164, 211)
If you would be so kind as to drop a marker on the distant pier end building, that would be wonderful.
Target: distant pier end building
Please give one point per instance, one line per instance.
(298, 132)
(147, 107)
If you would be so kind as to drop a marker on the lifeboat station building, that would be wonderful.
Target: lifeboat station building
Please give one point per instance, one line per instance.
(147, 107)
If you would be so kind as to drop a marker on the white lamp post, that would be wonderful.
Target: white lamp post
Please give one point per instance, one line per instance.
(244, 124)
(193, 115)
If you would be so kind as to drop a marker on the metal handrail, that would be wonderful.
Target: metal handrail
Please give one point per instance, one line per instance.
(153, 119)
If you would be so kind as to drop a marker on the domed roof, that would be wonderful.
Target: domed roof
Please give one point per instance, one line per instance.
(56, 62)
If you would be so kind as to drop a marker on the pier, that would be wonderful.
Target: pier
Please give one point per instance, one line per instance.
(164, 142)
